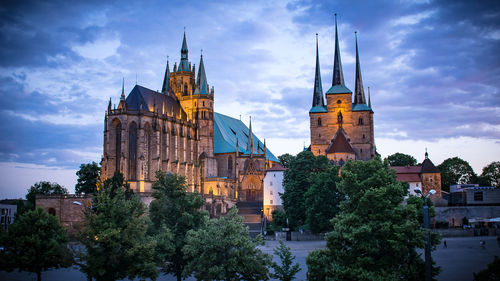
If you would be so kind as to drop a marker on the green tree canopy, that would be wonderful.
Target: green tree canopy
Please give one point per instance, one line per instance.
(456, 171)
(222, 250)
(287, 270)
(35, 242)
(43, 188)
(492, 273)
(285, 159)
(374, 235)
(401, 159)
(296, 183)
(322, 199)
(88, 178)
(114, 236)
(177, 210)
(491, 175)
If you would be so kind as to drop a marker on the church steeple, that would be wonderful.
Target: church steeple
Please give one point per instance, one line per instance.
(338, 75)
(122, 97)
(184, 63)
(359, 93)
(369, 99)
(201, 81)
(318, 89)
(250, 138)
(165, 86)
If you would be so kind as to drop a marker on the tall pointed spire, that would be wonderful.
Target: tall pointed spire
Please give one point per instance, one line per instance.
(184, 63)
(122, 97)
(338, 75)
(166, 79)
(201, 81)
(250, 138)
(318, 89)
(359, 93)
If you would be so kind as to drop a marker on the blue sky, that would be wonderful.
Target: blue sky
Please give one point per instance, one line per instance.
(433, 68)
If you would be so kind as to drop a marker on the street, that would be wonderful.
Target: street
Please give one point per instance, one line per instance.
(458, 261)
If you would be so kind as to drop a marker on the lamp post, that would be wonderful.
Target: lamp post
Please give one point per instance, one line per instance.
(428, 263)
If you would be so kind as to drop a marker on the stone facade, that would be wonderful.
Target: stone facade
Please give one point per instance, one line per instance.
(176, 130)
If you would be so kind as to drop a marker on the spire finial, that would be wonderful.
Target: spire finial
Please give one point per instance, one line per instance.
(318, 87)
(426, 154)
(359, 92)
(338, 75)
(250, 137)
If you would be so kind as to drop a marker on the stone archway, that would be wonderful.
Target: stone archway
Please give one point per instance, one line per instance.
(252, 189)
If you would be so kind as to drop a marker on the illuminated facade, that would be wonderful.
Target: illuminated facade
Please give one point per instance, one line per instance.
(343, 128)
(176, 130)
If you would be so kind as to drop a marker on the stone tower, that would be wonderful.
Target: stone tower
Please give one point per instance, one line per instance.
(342, 129)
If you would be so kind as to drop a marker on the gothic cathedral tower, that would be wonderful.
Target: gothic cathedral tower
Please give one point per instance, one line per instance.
(342, 129)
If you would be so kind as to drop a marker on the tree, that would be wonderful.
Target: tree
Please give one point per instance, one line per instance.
(285, 159)
(43, 188)
(322, 200)
(401, 159)
(491, 175)
(178, 211)
(222, 250)
(492, 273)
(35, 242)
(374, 235)
(279, 220)
(455, 171)
(296, 183)
(88, 178)
(287, 270)
(114, 236)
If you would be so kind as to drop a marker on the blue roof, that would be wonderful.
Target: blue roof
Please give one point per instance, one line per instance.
(361, 107)
(338, 89)
(316, 109)
(228, 129)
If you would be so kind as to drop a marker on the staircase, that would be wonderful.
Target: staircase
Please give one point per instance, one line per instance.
(251, 213)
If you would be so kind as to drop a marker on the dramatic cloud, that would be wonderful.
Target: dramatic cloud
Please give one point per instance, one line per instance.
(432, 67)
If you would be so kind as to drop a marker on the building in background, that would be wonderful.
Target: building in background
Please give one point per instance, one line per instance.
(273, 186)
(7, 214)
(341, 129)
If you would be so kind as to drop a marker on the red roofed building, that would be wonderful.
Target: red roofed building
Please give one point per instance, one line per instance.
(426, 176)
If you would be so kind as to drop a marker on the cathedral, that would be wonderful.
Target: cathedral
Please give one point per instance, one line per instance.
(177, 130)
(343, 128)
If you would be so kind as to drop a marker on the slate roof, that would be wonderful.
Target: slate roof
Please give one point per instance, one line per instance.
(428, 167)
(145, 99)
(339, 143)
(228, 129)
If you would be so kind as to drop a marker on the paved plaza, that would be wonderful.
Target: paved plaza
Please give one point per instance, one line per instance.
(458, 261)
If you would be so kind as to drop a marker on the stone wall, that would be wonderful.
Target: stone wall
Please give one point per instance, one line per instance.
(457, 213)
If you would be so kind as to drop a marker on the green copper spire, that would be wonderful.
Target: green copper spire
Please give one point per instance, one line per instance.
(318, 89)
(359, 93)
(165, 86)
(338, 75)
(184, 63)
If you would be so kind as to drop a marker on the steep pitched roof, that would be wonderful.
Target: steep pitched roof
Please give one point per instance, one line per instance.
(359, 92)
(141, 98)
(318, 88)
(428, 167)
(339, 143)
(408, 177)
(228, 129)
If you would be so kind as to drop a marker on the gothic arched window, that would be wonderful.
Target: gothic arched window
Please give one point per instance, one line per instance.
(319, 121)
(360, 121)
(118, 145)
(185, 88)
(132, 152)
(230, 164)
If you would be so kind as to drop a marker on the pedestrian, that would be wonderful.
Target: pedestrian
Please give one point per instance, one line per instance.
(481, 243)
(446, 246)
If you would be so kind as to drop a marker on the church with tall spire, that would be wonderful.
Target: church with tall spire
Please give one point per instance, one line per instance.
(341, 129)
(177, 130)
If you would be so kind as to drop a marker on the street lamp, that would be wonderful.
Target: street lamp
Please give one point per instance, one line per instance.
(428, 264)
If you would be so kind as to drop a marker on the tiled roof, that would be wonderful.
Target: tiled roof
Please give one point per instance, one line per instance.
(408, 177)
(339, 144)
(276, 168)
(228, 129)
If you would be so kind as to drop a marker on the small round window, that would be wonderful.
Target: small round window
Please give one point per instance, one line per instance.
(339, 102)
